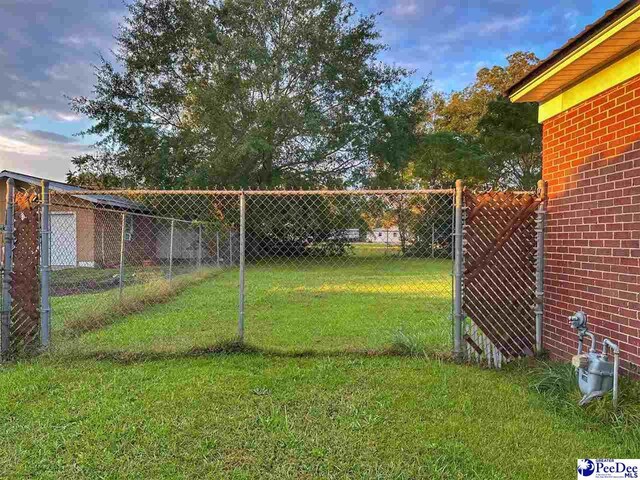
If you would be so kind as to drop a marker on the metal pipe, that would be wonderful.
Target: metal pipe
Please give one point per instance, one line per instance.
(242, 261)
(458, 272)
(122, 242)
(616, 366)
(7, 270)
(592, 347)
(386, 243)
(173, 223)
(539, 310)
(45, 267)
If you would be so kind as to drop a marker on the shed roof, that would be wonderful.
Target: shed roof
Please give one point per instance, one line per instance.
(106, 200)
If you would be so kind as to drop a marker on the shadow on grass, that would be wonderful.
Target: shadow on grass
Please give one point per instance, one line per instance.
(235, 347)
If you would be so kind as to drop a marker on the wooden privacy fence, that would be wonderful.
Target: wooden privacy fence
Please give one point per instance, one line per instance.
(25, 278)
(21, 273)
(502, 275)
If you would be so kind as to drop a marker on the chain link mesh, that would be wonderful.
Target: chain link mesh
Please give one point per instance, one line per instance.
(116, 258)
(349, 271)
(324, 270)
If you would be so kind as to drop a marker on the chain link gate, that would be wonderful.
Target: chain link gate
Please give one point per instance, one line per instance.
(501, 275)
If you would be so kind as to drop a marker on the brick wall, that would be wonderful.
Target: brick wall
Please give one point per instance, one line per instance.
(591, 160)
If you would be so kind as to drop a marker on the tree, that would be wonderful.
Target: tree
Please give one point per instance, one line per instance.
(511, 139)
(443, 157)
(252, 93)
(478, 135)
(398, 138)
(461, 111)
(94, 179)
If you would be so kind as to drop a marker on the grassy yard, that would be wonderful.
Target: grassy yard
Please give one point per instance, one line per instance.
(357, 304)
(321, 393)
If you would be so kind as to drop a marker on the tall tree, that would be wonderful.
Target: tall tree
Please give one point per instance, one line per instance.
(511, 139)
(461, 111)
(443, 157)
(397, 138)
(478, 135)
(239, 93)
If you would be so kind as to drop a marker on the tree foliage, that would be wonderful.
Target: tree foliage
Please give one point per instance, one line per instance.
(251, 93)
(511, 139)
(478, 135)
(462, 111)
(398, 138)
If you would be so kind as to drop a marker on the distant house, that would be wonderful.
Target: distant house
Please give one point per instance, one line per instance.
(86, 230)
(387, 236)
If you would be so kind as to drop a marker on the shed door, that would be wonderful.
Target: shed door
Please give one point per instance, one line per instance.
(63, 240)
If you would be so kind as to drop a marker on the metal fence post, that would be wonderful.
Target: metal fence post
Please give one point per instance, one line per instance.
(8, 269)
(540, 223)
(122, 242)
(45, 267)
(218, 249)
(433, 240)
(230, 249)
(241, 262)
(199, 246)
(173, 224)
(458, 273)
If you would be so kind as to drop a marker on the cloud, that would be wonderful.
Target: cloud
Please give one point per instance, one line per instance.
(38, 152)
(439, 36)
(12, 146)
(483, 29)
(52, 137)
(404, 8)
(49, 48)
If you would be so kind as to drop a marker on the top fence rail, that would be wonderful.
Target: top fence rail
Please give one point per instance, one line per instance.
(259, 192)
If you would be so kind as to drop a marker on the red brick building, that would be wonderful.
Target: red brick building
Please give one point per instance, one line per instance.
(589, 96)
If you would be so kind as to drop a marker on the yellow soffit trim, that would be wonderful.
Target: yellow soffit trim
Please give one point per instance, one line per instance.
(607, 33)
(606, 78)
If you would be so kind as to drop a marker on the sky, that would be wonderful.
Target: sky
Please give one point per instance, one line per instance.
(48, 49)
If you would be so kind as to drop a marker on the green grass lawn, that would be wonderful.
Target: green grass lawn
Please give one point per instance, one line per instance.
(354, 304)
(320, 394)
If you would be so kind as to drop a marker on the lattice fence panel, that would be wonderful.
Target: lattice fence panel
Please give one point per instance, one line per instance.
(500, 273)
(25, 284)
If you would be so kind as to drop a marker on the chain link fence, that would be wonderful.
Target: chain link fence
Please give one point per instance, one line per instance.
(168, 272)
(116, 259)
(349, 270)
(142, 272)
